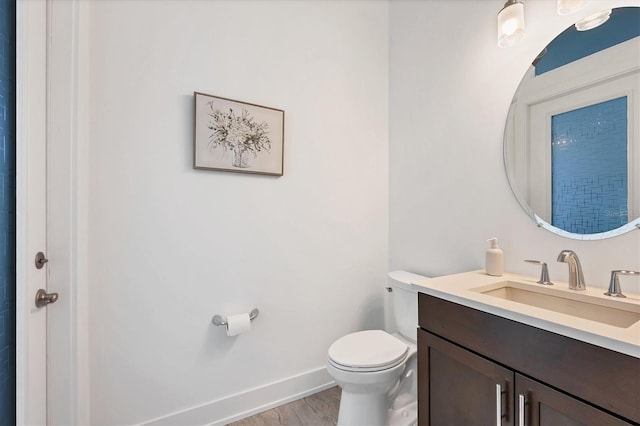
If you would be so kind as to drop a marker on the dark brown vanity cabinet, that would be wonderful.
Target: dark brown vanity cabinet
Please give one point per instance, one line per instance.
(476, 368)
(543, 405)
(462, 387)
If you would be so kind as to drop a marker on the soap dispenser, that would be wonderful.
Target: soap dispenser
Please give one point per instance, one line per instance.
(494, 259)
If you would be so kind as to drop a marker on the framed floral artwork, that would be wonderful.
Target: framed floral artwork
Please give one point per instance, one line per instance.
(237, 136)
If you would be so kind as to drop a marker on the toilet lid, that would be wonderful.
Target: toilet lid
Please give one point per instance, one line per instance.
(367, 349)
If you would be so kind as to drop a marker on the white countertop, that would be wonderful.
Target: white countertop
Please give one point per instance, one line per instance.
(458, 288)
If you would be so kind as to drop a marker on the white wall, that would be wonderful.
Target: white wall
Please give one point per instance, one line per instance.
(450, 90)
(170, 246)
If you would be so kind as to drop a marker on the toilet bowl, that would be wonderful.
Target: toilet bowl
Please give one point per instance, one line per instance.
(376, 369)
(369, 366)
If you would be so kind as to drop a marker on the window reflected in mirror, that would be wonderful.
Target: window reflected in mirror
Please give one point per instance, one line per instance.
(589, 167)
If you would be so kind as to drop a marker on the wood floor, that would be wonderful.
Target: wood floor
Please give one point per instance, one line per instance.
(319, 409)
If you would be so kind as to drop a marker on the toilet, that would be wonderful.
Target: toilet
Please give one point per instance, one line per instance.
(376, 369)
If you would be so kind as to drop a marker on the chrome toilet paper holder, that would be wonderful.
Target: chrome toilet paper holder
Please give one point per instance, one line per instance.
(217, 319)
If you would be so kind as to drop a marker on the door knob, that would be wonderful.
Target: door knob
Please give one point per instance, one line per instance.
(43, 298)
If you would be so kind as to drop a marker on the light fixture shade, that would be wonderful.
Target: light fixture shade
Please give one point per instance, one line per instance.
(592, 21)
(510, 23)
(567, 7)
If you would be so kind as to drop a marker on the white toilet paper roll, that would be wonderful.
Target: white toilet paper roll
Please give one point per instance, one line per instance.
(238, 324)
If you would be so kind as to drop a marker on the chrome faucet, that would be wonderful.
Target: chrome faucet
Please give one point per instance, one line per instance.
(614, 284)
(576, 279)
(544, 272)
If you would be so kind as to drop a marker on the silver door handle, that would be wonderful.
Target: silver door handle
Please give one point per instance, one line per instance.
(43, 298)
(521, 404)
(498, 405)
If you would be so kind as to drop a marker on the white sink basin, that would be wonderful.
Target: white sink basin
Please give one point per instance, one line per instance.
(612, 312)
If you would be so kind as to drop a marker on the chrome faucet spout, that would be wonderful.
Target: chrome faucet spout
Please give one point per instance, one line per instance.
(576, 278)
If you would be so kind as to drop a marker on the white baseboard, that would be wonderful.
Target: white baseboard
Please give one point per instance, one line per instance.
(244, 404)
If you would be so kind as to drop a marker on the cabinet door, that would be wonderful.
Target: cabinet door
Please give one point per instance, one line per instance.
(458, 387)
(537, 404)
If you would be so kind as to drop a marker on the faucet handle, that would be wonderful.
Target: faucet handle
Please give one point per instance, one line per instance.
(544, 274)
(614, 284)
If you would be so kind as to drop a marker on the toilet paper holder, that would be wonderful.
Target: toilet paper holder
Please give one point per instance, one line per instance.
(217, 319)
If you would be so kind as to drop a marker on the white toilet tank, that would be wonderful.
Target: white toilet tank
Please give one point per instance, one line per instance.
(404, 303)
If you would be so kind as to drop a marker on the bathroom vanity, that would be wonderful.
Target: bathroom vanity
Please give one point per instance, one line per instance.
(504, 351)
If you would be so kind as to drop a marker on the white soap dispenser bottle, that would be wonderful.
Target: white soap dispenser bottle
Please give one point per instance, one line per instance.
(494, 261)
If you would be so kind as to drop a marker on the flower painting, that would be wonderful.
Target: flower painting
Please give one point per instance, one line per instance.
(237, 136)
(239, 133)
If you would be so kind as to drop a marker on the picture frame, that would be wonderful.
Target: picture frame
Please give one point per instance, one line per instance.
(235, 136)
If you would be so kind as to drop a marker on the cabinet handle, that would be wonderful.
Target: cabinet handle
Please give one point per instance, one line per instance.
(521, 402)
(498, 405)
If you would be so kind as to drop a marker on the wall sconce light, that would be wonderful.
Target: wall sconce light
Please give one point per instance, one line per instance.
(510, 23)
(567, 7)
(592, 21)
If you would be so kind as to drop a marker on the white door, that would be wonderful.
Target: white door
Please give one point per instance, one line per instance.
(48, 378)
(31, 322)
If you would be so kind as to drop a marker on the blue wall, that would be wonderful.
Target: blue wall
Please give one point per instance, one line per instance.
(589, 168)
(7, 213)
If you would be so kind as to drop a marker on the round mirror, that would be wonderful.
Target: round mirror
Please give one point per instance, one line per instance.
(571, 146)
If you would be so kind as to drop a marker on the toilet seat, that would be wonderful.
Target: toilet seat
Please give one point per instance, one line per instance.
(367, 351)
